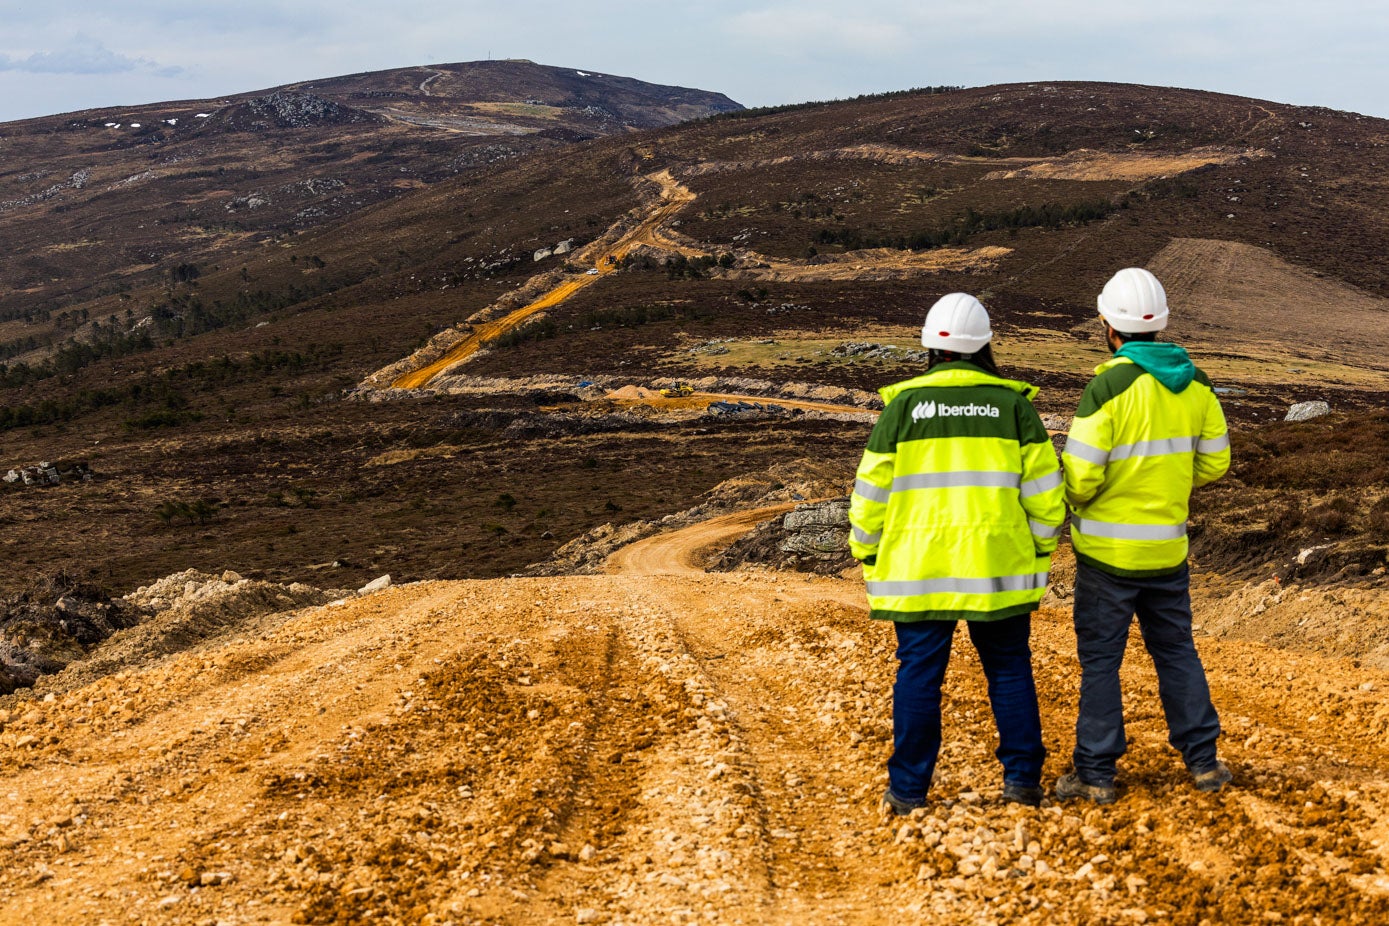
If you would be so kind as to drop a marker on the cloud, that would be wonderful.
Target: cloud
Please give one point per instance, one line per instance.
(795, 30)
(84, 55)
(758, 51)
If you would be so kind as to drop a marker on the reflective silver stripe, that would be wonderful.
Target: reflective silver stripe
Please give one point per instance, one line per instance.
(863, 537)
(989, 586)
(1044, 531)
(871, 492)
(1129, 531)
(1085, 452)
(1153, 448)
(966, 479)
(1041, 484)
(1214, 444)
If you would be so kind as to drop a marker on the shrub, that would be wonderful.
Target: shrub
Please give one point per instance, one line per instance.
(200, 511)
(1330, 517)
(1377, 521)
(537, 330)
(634, 316)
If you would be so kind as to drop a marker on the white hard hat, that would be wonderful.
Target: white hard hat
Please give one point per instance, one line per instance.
(958, 323)
(1133, 301)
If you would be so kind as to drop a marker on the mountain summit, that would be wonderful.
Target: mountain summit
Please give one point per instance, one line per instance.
(94, 199)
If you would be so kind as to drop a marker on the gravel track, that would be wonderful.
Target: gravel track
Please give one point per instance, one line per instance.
(660, 748)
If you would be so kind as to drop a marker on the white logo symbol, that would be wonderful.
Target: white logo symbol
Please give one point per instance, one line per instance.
(924, 410)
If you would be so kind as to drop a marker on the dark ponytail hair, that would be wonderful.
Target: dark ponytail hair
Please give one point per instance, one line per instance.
(983, 358)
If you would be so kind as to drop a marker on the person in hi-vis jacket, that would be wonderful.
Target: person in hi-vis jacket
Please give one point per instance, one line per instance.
(955, 512)
(1149, 429)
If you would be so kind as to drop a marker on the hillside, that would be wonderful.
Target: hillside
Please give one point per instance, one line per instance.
(457, 379)
(229, 385)
(101, 202)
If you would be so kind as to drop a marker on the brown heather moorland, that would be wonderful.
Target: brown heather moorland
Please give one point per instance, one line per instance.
(205, 317)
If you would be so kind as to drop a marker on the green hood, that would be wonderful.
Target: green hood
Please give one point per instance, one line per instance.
(956, 373)
(1168, 363)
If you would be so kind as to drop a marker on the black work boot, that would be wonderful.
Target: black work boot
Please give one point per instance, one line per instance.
(1069, 787)
(899, 807)
(1213, 778)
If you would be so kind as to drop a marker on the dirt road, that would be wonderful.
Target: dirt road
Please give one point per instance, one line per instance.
(636, 395)
(433, 76)
(659, 748)
(679, 552)
(674, 197)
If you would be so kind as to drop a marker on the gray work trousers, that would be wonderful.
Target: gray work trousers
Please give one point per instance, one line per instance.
(1105, 605)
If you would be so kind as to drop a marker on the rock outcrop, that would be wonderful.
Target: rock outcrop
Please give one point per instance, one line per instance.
(289, 110)
(1305, 411)
(814, 537)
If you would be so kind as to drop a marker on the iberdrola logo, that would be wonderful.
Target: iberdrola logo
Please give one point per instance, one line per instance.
(926, 410)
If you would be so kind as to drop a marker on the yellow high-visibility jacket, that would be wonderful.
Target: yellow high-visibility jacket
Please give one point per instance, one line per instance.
(1149, 429)
(958, 500)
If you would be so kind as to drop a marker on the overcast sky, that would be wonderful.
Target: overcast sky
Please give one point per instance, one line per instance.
(64, 56)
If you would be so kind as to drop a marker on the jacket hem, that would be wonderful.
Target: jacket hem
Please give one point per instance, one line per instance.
(1129, 573)
(910, 617)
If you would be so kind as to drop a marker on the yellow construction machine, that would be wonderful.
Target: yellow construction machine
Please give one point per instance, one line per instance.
(677, 390)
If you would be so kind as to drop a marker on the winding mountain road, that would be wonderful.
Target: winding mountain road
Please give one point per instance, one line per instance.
(674, 197)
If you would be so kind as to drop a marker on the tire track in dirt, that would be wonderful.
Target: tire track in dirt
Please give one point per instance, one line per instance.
(808, 801)
(631, 396)
(1226, 286)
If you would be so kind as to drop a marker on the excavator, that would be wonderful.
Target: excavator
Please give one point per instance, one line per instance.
(677, 390)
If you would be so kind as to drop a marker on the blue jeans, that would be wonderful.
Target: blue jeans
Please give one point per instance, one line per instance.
(923, 652)
(1104, 609)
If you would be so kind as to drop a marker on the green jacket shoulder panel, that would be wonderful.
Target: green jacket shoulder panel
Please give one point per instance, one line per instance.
(1030, 427)
(1113, 380)
(883, 438)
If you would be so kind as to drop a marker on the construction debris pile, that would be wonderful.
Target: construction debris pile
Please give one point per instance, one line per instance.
(859, 350)
(63, 625)
(723, 409)
(52, 623)
(50, 474)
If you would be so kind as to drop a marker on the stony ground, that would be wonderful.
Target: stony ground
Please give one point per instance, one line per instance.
(658, 748)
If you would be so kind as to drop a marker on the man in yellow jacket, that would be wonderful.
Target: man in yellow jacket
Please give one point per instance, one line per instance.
(955, 512)
(1149, 429)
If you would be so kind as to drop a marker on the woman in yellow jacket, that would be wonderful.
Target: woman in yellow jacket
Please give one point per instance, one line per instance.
(955, 513)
